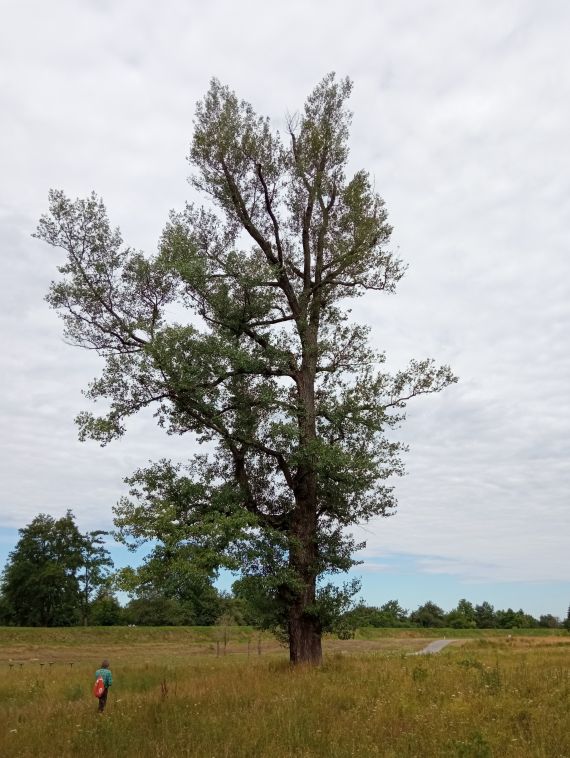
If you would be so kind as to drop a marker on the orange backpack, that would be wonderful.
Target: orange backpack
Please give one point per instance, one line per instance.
(99, 687)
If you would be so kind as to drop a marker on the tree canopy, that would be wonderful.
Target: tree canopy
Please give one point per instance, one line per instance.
(171, 583)
(95, 571)
(295, 412)
(51, 574)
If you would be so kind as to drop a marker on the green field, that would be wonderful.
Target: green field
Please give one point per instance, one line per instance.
(177, 694)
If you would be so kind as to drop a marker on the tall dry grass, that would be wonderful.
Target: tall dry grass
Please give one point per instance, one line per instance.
(486, 698)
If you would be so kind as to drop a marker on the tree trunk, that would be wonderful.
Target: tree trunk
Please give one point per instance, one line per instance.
(305, 628)
(304, 635)
(304, 625)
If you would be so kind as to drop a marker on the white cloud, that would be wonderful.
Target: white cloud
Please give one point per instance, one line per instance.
(461, 114)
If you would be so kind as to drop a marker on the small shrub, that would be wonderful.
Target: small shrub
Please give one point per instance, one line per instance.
(419, 674)
(73, 692)
(470, 663)
(345, 632)
(476, 746)
(491, 679)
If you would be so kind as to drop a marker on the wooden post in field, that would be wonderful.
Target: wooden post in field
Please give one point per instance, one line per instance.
(259, 644)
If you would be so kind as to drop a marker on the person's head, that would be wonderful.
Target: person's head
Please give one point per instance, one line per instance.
(105, 664)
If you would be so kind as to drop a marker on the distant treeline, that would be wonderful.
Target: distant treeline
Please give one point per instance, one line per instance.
(464, 616)
(58, 576)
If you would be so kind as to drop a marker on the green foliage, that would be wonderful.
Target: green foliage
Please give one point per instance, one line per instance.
(333, 602)
(95, 571)
(391, 614)
(258, 596)
(40, 582)
(510, 619)
(296, 409)
(105, 610)
(51, 574)
(344, 631)
(162, 610)
(462, 617)
(171, 585)
(485, 617)
(6, 611)
(157, 611)
(549, 621)
(465, 616)
(428, 614)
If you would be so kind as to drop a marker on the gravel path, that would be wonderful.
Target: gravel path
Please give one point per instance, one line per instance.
(435, 647)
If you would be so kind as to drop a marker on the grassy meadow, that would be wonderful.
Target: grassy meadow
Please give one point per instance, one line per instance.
(177, 694)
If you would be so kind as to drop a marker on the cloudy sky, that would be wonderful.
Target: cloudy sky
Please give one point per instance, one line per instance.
(462, 117)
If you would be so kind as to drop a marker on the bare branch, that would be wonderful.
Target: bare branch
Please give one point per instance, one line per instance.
(264, 244)
(269, 209)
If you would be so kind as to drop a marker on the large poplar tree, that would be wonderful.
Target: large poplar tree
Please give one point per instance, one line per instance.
(294, 410)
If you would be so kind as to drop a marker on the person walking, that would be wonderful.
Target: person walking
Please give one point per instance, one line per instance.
(107, 677)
